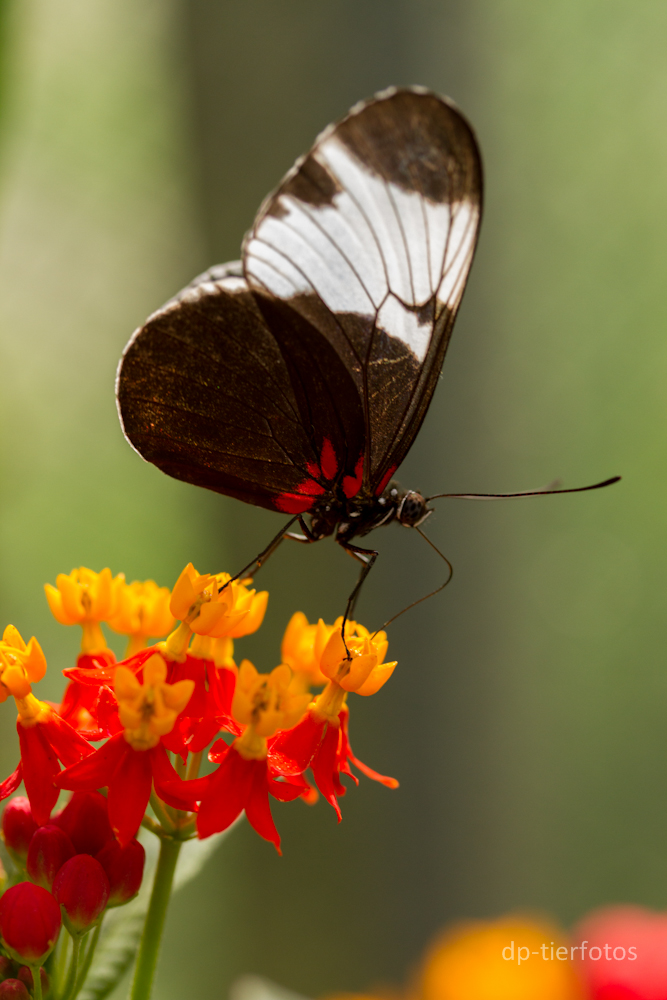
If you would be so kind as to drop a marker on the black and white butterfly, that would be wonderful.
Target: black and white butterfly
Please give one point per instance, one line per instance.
(298, 378)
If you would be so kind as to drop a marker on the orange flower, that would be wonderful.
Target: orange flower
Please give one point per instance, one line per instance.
(84, 598)
(506, 959)
(148, 711)
(142, 612)
(20, 664)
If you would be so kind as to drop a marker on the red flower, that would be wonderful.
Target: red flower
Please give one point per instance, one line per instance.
(82, 889)
(49, 849)
(240, 784)
(85, 820)
(124, 867)
(18, 826)
(44, 739)
(209, 708)
(129, 775)
(325, 747)
(29, 922)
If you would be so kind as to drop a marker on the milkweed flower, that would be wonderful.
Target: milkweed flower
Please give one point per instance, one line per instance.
(262, 704)
(84, 598)
(321, 739)
(133, 759)
(21, 664)
(299, 649)
(141, 612)
(29, 922)
(214, 606)
(44, 737)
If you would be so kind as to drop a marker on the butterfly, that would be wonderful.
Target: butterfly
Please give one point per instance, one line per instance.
(298, 378)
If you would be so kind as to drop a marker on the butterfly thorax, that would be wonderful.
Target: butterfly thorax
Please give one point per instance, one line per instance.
(354, 517)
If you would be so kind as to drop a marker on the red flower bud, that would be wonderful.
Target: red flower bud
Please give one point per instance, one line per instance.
(85, 820)
(29, 922)
(5, 967)
(49, 849)
(125, 869)
(14, 989)
(18, 826)
(82, 889)
(25, 975)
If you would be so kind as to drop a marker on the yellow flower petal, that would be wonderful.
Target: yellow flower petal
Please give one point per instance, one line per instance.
(378, 676)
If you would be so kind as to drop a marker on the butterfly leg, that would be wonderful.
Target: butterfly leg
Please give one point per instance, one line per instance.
(367, 559)
(259, 560)
(306, 538)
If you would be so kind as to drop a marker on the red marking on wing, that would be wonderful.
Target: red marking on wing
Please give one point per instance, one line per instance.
(385, 479)
(298, 503)
(293, 503)
(314, 469)
(352, 484)
(328, 461)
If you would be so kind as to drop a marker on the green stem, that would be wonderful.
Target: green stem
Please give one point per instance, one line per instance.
(73, 966)
(81, 978)
(36, 982)
(157, 911)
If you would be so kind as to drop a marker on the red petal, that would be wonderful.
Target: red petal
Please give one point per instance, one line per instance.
(204, 732)
(370, 773)
(40, 767)
(226, 796)
(129, 792)
(218, 752)
(194, 669)
(257, 807)
(95, 771)
(170, 787)
(11, 783)
(107, 713)
(221, 685)
(68, 745)
(288, 789)
(325, 768)
(292, 750)
(346, 750)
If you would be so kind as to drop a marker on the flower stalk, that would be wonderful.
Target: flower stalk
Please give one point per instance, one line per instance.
(151, 938)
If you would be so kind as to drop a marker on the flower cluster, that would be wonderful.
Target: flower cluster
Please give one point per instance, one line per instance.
(153, 715)
(76, 869)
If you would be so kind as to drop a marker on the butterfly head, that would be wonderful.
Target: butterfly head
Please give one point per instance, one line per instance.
(412, 509)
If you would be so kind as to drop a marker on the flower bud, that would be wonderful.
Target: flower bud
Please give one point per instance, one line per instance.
(124, 867)
(5, 967)
(25, 975)
(18, 826)
(13, 989)
(49, 849)
(82, 889)
(85, 820)
(29, 922)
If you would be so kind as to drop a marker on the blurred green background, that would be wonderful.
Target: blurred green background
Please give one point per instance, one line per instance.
(526, 719)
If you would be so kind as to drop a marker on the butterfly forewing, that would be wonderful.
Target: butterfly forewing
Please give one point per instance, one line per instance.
(371, 237)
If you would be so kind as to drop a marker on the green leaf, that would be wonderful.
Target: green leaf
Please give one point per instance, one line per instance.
(123, 925)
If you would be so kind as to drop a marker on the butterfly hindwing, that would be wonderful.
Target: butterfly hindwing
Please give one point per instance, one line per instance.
(211, 396)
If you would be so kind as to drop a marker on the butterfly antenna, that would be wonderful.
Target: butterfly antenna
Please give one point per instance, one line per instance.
(426, 596)
(259, 560)
(543, 491)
